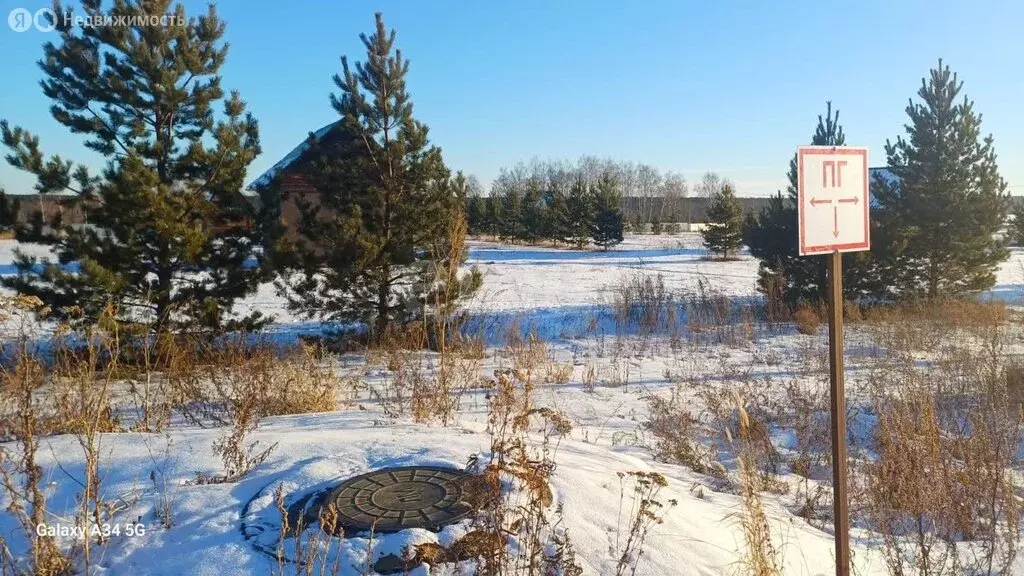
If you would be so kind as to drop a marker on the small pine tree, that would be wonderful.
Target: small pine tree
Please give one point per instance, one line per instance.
(9, 209)
(1017, 232)
(606, 226)
(581, 213)
(943, 210)
(169, 202)
(656, 224)
(511, 216)
(494, 215)
(724, 232)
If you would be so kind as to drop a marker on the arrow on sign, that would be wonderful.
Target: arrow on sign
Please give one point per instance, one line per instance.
(835, 221)
(815, 201)
(853, 200)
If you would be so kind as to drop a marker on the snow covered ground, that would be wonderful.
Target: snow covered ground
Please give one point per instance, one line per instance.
(547, 285)
(556, 290)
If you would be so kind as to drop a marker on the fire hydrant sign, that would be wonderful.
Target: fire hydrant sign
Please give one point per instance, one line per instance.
(833, 192)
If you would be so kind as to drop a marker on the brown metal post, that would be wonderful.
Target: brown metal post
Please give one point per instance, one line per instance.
(838, 396)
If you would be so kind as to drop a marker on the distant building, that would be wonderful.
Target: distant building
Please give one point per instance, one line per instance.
(293, 170)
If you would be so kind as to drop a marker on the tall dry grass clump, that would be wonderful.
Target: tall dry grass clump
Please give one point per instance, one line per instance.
(23, 421)
(941, 491)
(760, 557)
(431, 363)
(807, 320)
(678, 434)
(643, 303)
(515, 532)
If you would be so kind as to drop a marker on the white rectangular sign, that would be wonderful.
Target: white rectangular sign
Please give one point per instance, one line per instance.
(833, 199)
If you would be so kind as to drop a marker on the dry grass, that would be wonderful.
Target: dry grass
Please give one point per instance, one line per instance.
(940, 491)
(807, 320)
(24, 419)
(642, 302)
(678, 434)
(645, 512)
(514, 481)
(311, 546)
(761, 557)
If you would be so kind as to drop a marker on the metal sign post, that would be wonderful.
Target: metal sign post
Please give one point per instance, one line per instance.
(838, 410)
(833, 211)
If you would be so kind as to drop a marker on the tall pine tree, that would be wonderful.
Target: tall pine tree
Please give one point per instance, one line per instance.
(170, 239)
(369, 247)
(607, 224)
(724, 232)
(943, 209)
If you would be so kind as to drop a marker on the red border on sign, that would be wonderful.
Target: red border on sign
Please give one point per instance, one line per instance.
(842, 150)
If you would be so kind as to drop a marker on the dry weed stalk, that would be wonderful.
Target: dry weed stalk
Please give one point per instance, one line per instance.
(312, 546)
(83, 378)
(24, 418)
(678, 433)
(514, 490)
(645, 513)
(761, 557)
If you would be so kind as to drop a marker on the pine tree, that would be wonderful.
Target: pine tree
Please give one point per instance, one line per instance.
(170, 238)
(494, 215)
(535, 213)
(476, 215)
(469, 191)
(607, 224)
(580, 207)
(772, 238)
(724, 232)
(511, 215)
(1017, 231)
(557, 217)
(947, 202)
(386, 201)
(655, 223)
(9, 209)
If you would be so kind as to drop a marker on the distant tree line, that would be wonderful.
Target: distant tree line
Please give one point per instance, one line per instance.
(551, 201)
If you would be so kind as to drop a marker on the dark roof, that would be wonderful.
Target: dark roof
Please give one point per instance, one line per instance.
(267, 177)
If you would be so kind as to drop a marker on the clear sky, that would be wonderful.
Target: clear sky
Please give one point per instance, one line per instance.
(728, 86)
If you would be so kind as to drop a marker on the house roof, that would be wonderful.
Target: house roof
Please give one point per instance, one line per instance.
(267, 177)
(883, 172)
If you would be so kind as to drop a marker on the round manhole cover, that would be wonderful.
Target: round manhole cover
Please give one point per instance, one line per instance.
(393, 499)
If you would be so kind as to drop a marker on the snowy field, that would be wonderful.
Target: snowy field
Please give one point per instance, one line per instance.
(553, 285)
(605, 393)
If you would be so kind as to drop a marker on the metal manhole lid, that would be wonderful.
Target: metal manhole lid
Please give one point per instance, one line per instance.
(394, 499)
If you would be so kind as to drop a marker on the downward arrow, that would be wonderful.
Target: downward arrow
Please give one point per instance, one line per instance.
(835, 221)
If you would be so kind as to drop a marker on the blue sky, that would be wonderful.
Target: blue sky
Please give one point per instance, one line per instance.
(733, 87)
